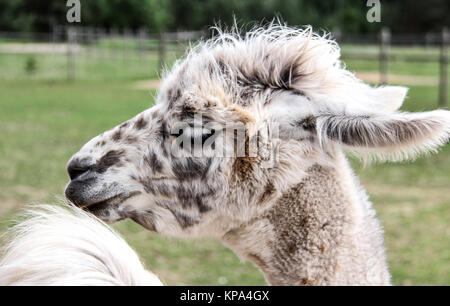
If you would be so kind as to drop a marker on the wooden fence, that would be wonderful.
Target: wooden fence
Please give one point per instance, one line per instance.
(384, 58)
(134, 44)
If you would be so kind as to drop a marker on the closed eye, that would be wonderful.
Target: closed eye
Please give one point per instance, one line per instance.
(193, 136)
(176, 134)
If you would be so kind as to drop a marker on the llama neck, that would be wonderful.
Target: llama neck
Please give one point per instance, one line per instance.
(317, 233)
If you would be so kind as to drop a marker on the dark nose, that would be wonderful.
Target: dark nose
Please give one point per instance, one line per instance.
(78, 167)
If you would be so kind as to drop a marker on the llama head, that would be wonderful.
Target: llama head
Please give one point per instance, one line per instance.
(236, 123)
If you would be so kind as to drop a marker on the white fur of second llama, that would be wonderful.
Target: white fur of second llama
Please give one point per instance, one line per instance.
(58, 245)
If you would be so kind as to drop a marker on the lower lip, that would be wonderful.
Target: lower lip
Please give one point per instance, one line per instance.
(99, 206)
(101, 202)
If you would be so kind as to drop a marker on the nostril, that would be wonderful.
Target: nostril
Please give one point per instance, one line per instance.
(76, 172)
(76, 169)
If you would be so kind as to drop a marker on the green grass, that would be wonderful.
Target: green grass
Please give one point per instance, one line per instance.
(395, 67)
(45, 120)
(95, 66)
(53, 67)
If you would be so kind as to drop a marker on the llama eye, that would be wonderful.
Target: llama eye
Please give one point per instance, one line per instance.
(309, 123)
(176, 134)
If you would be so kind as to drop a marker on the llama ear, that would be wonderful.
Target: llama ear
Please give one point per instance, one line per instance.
(390, 136)
(390, 98)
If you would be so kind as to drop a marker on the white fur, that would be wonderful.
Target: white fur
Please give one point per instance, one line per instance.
(65, 246)
(274, 77)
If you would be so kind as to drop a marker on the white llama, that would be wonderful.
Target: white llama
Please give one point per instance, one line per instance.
(303, 219)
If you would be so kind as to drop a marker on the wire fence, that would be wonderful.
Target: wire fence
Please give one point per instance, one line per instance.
(80, 53)
(87, 53)
(433, 49)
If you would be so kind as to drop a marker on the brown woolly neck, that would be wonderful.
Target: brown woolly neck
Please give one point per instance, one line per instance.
(303, 238)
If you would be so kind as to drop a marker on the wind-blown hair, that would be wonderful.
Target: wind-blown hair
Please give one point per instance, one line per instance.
(65, 246)
(289, 75)
(274, 57)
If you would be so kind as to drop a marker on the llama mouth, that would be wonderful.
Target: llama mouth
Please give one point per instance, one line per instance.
(100, 206)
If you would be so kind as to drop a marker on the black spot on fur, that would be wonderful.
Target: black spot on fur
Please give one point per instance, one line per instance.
(155, 114)
(189, 198)
(183, 220)
(140, 123)
(189, 168)
(148, 186)
(109, 159)
(163, 190)
(155, 164)
(187, 112)
(155, 188)
(100, 143)
(309, 123)
(117, 135)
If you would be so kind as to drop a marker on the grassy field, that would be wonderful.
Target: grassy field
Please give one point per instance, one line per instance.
(44, 120)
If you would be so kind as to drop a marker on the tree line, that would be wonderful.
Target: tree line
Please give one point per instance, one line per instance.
(349, 16)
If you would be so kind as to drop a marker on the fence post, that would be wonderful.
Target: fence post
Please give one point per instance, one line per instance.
(162, 51)
(113, 36)
(428, 40)
(55, 32)
(141, 36)
(443, 78)
(100, 34)
(71, 39)
(124, 44)
(385, 40)
(90, 38)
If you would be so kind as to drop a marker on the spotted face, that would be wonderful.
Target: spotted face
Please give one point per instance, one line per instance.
(130, 171)
(281, 89)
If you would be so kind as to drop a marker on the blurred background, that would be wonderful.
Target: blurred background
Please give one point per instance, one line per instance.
(62, 83)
